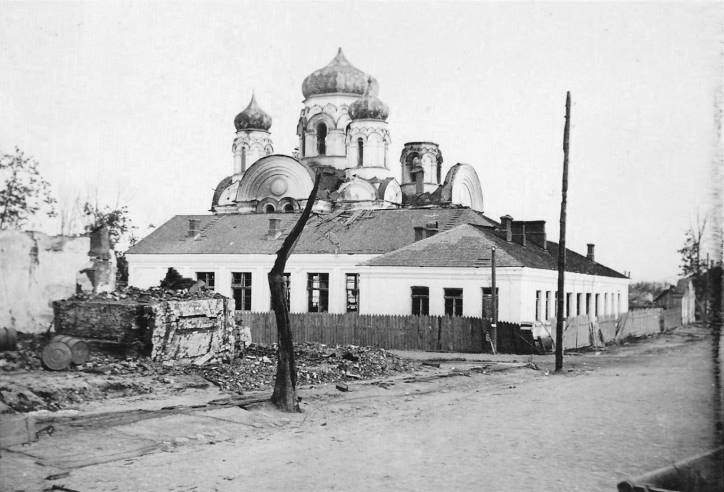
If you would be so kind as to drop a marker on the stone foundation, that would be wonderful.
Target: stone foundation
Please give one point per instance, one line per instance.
(176, 331)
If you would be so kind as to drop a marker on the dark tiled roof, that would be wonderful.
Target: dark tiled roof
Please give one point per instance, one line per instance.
(348, 232)
(470, 246)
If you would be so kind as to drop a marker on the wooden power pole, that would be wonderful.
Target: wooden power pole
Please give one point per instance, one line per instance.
(562, 240)
(494, 298)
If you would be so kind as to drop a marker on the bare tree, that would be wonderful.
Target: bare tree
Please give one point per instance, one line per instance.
(285, 384)
(692, 262)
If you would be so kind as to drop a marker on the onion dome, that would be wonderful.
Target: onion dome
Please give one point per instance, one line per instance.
(369, 106)
(338, 76)
(252, 118)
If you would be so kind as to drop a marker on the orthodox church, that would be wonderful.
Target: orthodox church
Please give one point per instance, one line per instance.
(342, 130)
(387, 236)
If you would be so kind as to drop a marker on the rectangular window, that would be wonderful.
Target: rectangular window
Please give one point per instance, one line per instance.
(618, 303)
(420, 301)
(597, 299)
(453, 302)
(286, 280)
(537, 305)
(548, 305)
(569, 303)
(588, 304)
(241, 290)
(352, 287)
(318, 292)
(555, 304)
(579, 301)
(605, 303)
(488, 302)
(208, 278)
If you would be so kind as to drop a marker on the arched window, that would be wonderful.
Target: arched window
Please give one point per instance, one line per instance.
(269, 208)
(321, 139)
(360, 152)
(243, 159)
(289, 208)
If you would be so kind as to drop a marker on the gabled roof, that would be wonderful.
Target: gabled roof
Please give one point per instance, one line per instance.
(470, 246)
(344, 232)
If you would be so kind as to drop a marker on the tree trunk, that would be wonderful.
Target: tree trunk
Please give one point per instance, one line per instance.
(285, 384)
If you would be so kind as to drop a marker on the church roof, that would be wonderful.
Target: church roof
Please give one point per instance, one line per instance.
(338, 76)
(252, 117)
(472, 245)
(344, 232)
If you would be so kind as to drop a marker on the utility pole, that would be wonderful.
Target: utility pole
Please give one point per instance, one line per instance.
(494, 293)
(562, 240)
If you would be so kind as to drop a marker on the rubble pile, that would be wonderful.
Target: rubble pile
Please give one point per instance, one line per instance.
(153, 294)
(130, 372)
(316, 364)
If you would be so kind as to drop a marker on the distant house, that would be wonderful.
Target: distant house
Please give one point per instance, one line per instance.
(680, 296)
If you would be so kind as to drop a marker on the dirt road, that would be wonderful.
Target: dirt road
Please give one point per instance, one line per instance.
(621, 413)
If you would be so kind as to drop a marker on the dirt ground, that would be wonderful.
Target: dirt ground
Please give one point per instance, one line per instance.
(494, 425)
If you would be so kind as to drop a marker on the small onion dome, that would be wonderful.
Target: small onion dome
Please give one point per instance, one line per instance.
(338, 76)
(369, 107)
(252, 118)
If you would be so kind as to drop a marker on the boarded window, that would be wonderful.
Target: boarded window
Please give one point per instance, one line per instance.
(488, 307)
(208, 278)
(453, 302)
(352, 288)
(420, 301)
(241, 290)
(318, 292)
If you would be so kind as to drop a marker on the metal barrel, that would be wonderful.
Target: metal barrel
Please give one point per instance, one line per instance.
(8, 339)
(56, 356)
(78, 348)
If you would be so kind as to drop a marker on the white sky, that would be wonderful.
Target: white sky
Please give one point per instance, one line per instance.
(136, 100)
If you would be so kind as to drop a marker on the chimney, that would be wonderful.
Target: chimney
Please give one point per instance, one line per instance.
(590, 254)
(431, 229)
(506, 222)
(193, 227)
(274, 228)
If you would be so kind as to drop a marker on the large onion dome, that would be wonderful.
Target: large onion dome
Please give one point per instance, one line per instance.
(252, 118)
(339, 76)
(369, 107)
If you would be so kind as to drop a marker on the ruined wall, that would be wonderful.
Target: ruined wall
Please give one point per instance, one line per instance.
(36, 269)
(173, 331)
(126, 322)
(192, 331)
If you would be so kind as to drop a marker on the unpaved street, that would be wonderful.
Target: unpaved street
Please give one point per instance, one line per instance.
(621, 413)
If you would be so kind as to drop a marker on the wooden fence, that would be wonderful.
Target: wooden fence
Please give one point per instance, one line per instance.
(430, 333)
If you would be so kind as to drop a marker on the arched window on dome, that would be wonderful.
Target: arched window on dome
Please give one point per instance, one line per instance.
(360, 152)
(269, 208)
(321, 139)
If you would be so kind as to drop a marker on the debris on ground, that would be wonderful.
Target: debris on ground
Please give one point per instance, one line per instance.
(125, 373)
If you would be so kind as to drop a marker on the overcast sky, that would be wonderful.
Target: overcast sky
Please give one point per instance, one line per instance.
(135, 101)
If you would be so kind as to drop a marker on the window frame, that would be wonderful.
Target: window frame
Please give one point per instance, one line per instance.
(453, 298)
(206, 275)
(351, 294)
(243, 286)
(420, 300)
(321, 290)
